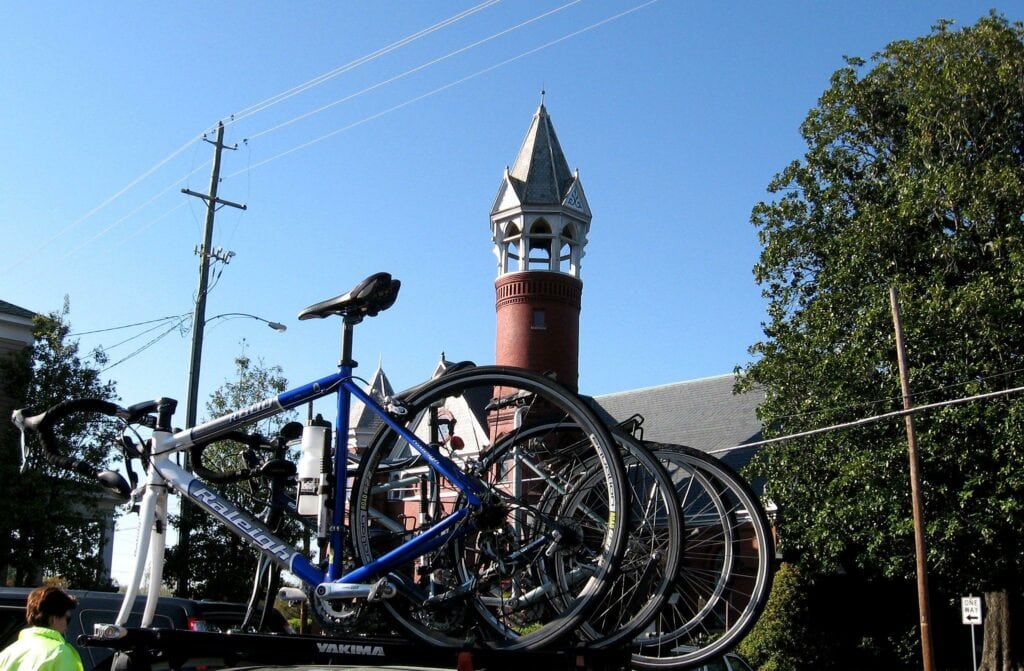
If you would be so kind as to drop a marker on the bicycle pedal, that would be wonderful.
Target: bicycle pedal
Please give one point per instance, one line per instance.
(382, 589)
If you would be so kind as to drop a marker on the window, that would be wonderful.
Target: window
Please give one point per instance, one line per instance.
(539, 319)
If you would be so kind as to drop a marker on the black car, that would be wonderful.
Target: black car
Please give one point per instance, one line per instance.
(98, 607)
(227, 616)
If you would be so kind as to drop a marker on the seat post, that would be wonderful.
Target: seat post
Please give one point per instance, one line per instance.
(346, 341)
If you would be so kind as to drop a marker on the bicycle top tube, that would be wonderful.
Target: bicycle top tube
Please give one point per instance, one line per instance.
(286, 400)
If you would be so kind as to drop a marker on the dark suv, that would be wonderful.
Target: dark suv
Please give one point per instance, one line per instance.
(94, 607)
(226, 616)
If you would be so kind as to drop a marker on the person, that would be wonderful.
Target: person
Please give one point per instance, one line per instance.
(41, 645)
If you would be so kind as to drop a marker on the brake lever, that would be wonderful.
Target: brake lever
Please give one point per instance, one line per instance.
(24, 452)
(18, 418)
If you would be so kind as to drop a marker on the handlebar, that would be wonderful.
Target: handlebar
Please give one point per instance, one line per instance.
(140, 413)
(44, 423)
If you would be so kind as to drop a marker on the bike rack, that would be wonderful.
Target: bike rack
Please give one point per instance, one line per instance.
(143, 648)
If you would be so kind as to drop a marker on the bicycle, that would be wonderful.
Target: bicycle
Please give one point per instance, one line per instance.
(515, 568)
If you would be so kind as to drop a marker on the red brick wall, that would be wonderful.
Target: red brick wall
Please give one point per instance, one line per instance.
(555, 347)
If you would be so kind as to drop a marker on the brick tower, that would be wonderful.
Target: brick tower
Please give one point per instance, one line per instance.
(539, 225)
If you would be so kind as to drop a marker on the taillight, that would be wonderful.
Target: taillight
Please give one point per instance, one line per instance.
(197, 624)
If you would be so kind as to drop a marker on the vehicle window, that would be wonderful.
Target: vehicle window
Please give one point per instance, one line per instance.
(715, 665)
(738, 664)
(11, 622)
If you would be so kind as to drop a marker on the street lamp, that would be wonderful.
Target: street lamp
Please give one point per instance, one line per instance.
(199, 323)
(277, 326)
(198, 329)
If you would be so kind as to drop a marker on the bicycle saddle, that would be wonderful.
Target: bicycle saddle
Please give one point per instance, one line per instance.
(377, 292)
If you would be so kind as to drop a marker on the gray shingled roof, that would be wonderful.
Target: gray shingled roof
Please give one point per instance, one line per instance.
(12, 309)
(703, 413)
(541, 174)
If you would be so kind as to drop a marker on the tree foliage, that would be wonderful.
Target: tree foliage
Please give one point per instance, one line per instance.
(913, 178)
(48, 527)
(780, 640)
(219, 564)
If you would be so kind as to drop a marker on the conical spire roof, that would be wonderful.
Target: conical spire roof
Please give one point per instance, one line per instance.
(361, 418)
(541, 175)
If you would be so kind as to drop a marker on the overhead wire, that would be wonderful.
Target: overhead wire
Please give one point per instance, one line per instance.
(124, 326)
(88, 215)
(316, 81)
(868, 420)
(232, 119)
(445, 87)
(144, 347)
(269, 102)
(178, 324)
(414, 70)
(132, 213)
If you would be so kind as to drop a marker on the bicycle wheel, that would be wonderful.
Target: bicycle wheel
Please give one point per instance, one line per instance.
(522, 570)
(725, 577)
(654, 551)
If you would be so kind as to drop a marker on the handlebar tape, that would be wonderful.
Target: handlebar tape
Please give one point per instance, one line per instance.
(44, 422)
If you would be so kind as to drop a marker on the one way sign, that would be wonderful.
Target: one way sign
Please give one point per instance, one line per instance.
(970, 608)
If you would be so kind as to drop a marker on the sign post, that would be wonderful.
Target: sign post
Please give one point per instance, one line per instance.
(970, 610)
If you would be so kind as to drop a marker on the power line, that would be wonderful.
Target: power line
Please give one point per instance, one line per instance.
(890, 399)
(445, 87)
(125, 326)
(269, 102)
(246, 112)
(869, 420)
(99, 207)
(179, 324)
(316, 81)
(138, 209)
(143, 348)
(414, 70)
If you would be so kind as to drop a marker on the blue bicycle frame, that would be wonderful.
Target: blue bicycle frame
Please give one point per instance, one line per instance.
(329, 583)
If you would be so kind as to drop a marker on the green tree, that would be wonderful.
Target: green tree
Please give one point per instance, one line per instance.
(220, 565)
(48, 527)
(780, 640)
(913, 178)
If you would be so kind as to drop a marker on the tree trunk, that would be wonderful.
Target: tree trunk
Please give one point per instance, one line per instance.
(1000, 651)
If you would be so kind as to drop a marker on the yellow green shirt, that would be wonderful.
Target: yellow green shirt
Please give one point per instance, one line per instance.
(40, 649)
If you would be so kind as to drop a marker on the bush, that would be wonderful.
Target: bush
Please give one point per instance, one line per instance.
(780, 639)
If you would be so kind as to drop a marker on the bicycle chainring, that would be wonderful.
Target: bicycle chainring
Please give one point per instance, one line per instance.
(340, 617)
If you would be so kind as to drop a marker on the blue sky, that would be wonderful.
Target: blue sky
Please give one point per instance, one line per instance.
(373, 136)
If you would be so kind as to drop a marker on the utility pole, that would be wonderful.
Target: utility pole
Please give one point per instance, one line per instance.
(923, 604)
(198, 325)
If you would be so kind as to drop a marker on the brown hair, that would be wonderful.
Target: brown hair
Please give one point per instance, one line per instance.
(46, 602)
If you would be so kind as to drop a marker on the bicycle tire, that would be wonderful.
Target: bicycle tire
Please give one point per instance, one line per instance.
(726, 575)
(490, 563)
